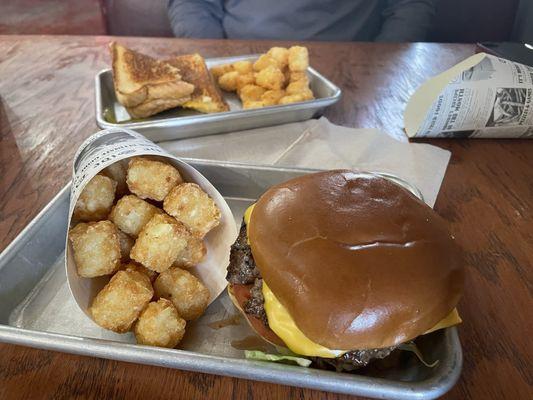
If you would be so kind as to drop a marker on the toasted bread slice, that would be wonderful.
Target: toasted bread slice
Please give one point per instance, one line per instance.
(155, 106)
(206, 97)
(144, 85)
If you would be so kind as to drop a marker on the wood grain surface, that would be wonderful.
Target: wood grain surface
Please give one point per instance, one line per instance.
(47, 110)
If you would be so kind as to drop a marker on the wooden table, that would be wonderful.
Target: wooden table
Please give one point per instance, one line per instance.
(47, 110)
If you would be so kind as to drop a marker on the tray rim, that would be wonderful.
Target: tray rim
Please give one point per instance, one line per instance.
(241, 368)
(214, 117)
(315, 379)
(242, 165)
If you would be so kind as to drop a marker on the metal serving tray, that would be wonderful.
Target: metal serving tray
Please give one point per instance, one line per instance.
(37, 310)
(181, 123)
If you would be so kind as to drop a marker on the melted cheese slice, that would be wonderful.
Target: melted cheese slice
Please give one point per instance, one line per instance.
(283, 325)
(451, 319)
(247, 215)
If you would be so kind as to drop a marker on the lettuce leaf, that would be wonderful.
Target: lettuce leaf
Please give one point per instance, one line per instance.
(259, 355)
(412, 347)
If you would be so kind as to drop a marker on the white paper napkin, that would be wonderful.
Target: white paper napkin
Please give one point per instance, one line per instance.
(323, 145)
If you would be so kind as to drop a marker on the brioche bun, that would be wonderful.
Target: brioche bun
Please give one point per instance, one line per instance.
(358, 261)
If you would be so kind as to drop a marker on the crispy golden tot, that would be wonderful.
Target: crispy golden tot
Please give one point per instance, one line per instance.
(184, 290)
(249, 104)
(96, 248)
(126, 243)
(151, 179)
(296, 87)
(133, 266)
(300, 87)
(281, 55)
(298, 76)
(130, 214)
(189, 204)
(307, 94)
(228, 81)
(117, 172)
(243, 67)
(298, 58)
(251, 93)
(96, 199)
(119, 303)
(264, 61)
(270, 78)
(271, 97)
(293, 98)
(243, 80)
(193, 253)
(160, 242)
(218, 70)
(160, 325)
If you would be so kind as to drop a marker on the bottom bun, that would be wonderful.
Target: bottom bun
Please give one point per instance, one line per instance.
(239, 295)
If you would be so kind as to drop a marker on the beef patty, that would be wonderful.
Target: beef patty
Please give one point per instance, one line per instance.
(242, 269)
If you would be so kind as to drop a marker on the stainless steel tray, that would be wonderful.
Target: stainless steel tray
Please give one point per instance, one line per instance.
(181, 123)
(37, 310)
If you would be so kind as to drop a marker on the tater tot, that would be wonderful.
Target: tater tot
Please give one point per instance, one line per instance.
(119, 303)
(243, 80)
(96, 248)
(243, 67)
(193, 253)
(228, 81)
(126, 243)
(271, 97)
(307, 94)
(301, 88)
(151, 179)
(251, 93)
(160, 242)
(96, 199)
(281, 55)
(293, 98)
(218, 70)
(189, 204)
(184, 290)
(298, 58)
(296, 87)
(298, 76)
(270, 78)
(133, 266)
(250, 104)
(117, 172)
(160, 325)
(264, 61)
(130, 214)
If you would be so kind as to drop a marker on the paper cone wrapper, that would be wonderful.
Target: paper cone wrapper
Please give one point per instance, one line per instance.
(483, 96)
(112, 145)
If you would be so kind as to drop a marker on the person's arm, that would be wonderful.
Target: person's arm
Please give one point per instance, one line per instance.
(196, 18)
(406, 20)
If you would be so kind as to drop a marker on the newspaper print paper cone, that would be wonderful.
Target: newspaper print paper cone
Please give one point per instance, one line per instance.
(481, 97)
(112, 145)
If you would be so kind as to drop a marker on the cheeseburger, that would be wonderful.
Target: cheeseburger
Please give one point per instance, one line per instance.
(343, 267)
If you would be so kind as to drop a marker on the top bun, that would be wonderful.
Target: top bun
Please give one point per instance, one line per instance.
(358, 261)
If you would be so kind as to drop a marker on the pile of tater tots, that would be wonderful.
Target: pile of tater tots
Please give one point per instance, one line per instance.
(277, 77)
(140, 223)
